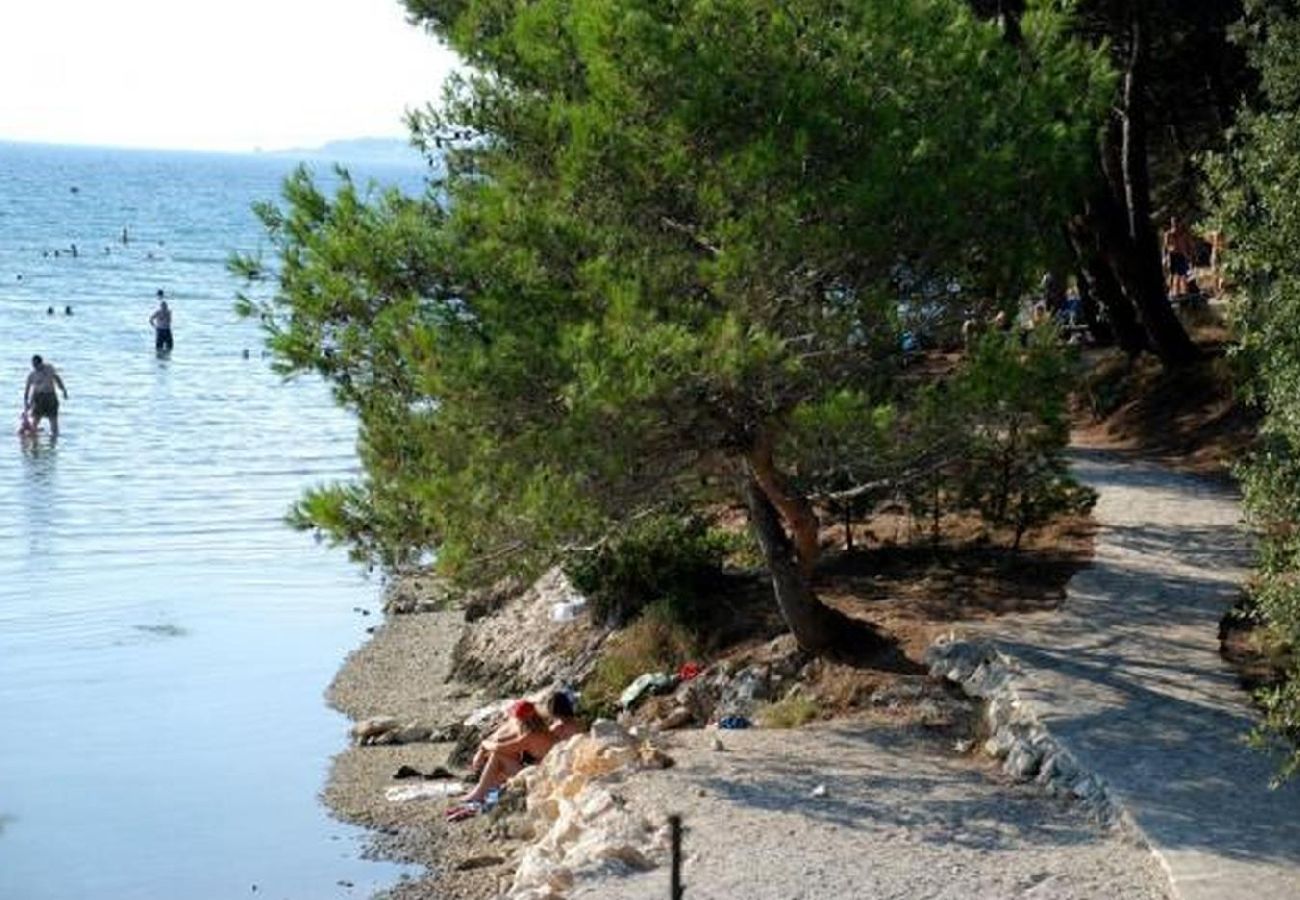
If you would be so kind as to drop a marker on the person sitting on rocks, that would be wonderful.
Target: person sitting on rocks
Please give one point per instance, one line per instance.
(564, 722)
(502, 759)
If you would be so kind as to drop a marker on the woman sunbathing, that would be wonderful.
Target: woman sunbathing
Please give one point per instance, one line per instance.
(503, 757)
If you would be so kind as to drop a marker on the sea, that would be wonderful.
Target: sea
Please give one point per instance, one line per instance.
(165, 637)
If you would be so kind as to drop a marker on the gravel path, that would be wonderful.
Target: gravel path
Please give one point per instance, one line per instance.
(903, 817)
(1127, 675)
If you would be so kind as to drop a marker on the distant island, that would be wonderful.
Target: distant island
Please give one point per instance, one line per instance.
(388, 151)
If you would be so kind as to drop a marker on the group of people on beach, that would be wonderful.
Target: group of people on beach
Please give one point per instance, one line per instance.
(522, 740)
(41, 392)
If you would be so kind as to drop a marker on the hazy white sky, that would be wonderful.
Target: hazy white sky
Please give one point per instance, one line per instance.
(211, 74)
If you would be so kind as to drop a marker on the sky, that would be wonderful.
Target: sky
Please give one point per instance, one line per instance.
(231, 75)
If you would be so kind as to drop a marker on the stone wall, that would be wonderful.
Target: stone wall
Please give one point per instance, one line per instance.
(1027, 750)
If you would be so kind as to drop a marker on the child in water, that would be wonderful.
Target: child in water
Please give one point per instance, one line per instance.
(26, 427)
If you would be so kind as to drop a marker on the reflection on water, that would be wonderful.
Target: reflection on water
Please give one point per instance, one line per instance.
(164, 638)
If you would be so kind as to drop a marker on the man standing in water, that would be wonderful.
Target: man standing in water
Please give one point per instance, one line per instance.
(40, 395)
(161, 320)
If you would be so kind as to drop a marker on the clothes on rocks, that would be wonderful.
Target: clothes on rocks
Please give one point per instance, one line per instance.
(646, 685)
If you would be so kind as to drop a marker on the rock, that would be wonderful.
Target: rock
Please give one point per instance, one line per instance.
(1022, 762)
(516, 647)
(447, 734)
(677, 718)
(478, 862)
(742, 695)
(581, 824)
(610, 732)
(485, 602)
(654, 758)
(369, 731)
(411, 734)
(1057, 768)
(699, 696)
(1087, 789)
(1000, 743)
(417, 593)
(1027, 749)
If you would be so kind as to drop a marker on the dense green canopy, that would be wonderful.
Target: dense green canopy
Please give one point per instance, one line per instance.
(669, 232)
(1257, 188)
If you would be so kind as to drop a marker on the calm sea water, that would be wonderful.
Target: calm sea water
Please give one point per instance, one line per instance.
(164, 638)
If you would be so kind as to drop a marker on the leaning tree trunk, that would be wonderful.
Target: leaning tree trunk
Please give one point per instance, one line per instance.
(797, 512)
(1103, 287)
(817, 627)
(1146, 280)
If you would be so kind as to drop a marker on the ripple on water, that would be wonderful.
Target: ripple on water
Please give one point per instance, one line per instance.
(164, 638)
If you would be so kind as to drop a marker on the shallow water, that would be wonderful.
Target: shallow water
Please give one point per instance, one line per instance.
(164, 638)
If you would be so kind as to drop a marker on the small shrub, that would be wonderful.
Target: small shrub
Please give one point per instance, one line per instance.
(789, 713)
(656, 642)
(1014, 398)
(672, 559)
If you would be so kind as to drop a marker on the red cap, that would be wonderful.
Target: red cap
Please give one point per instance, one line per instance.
(522, 709)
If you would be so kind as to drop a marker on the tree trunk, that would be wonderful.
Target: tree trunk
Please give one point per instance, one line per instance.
(818, 628)
(795, 510)
(1145, 283)
(1101, 331)
(1087, 237)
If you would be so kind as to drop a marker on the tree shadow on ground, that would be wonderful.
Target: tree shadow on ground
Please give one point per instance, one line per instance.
(1173, 751)
(875, 766)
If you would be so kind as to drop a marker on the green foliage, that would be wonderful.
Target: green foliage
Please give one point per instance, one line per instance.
(1257, 191)
(656, 642)
(942, 429)
(672, 559)
(680, 227)
(789, 713)
(1014, 399)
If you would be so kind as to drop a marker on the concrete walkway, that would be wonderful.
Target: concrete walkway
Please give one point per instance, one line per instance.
(1127, 675)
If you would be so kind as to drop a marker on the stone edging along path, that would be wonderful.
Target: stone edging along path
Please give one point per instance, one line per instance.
(1120, 698)
(1028, 750)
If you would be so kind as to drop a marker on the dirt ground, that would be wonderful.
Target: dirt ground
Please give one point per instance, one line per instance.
(1191, 420)
(862, 808)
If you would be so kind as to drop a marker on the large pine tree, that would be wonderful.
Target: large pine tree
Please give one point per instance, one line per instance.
(668, 232)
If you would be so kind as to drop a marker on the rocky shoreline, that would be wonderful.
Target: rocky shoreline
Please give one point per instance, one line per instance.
(578, 819)
(403, 691)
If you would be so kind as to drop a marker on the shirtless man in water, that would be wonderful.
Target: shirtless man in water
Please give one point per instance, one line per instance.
(161, 320)
(40, 395)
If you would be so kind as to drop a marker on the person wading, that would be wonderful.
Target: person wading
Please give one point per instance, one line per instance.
(161, 320)
(40, 396)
